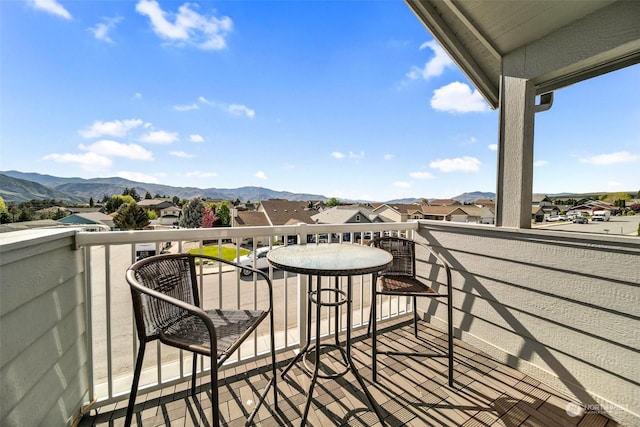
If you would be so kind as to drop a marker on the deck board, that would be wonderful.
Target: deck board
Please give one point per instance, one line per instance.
(411, 392)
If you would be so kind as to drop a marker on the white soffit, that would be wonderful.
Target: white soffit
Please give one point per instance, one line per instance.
(551, 42)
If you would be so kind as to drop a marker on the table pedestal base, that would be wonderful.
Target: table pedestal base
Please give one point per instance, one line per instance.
(315, 298)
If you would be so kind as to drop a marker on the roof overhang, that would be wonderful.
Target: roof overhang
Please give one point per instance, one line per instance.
(553, 43)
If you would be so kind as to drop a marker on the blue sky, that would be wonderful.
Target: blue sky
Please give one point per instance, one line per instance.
(347, 99)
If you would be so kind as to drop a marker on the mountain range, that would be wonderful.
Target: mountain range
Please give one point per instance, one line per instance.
(16, 187)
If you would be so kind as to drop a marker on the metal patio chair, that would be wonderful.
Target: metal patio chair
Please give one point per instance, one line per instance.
(399, 279)
(166, 304)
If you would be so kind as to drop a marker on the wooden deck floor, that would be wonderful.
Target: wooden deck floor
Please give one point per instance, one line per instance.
(411, 392)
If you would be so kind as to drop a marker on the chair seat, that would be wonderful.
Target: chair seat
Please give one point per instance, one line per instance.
(402, 285)
(231, 326)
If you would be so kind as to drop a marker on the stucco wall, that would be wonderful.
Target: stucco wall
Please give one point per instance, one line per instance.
(561, 307)
(43, 357)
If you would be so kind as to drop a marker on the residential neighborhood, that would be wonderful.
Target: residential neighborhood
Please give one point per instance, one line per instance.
(166, 213)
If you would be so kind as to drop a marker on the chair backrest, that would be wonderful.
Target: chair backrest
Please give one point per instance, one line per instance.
(170, 274)
(403, 252)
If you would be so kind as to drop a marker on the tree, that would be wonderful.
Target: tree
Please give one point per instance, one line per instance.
(175, 200)
(91, 202)
(3, 206)
(224, 214)
(192, 213)
(26, 214)
(333, 202)
(114, 203)
(152, 214)
(130, 216)
(148, 196)
(131, 192)
(209, 218)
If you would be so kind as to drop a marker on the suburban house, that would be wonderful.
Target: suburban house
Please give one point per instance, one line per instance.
(281, 212)
(475, 215)
(91, 221)
(444, 202)
(485, 203)
(549, 210)
(399, 212)
(537, 214)
(156, 205)
(541, 200)
(591, 206)
(347, 215)
(442, 213)
(170, 215)
(271, 213)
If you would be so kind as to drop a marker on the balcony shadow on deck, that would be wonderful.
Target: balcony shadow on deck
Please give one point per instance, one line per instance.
(411, 392)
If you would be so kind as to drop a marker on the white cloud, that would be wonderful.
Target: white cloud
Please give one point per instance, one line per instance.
(540, 163)
(51, 6)
(388, 156)
(204, 100)
(435, 66)
(457, 97)
(117, 128)
(611, 158)
(187, 26)
(401, 184)
(186, 107)
(463, 164)
(200, 174)
(89, 162)
(137, 95)
(194, 137)
(356, 156)
(239, 110)
(181, 154)
(159, 137)
(337, 155)
(138, 177)
(493, 147)
(260, 175)
(101, 30)
(115, 149)
(421, 175)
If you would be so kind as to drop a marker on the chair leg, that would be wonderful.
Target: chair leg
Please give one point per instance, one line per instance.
(215, 404)
(415, 317)
(273, 363)
(134, 385)
(373, 326)
(193, 374)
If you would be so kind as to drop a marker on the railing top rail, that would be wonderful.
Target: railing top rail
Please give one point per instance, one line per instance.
(84, 238)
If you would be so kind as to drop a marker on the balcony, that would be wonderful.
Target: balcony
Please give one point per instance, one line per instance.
(542, 319)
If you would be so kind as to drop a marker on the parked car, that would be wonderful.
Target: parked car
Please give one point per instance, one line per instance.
(580, 220)
(601, 216)
(144, 250)
(261, 261)
(552, 218)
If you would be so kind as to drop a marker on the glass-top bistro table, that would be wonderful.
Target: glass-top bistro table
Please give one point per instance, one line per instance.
(333, 260)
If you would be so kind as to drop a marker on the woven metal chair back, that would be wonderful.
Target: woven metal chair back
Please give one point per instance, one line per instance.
(173, 275)
(403, 252)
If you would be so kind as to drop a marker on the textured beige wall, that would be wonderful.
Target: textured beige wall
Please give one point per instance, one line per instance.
(561, 307)
(43, 356)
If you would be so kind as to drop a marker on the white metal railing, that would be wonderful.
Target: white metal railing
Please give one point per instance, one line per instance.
(112, 341)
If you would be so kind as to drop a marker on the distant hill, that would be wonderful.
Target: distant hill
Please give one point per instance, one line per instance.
(473, 196)
(21, 190)
(18, 186)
